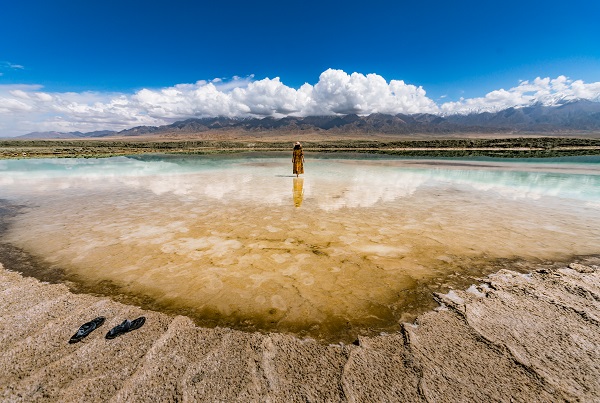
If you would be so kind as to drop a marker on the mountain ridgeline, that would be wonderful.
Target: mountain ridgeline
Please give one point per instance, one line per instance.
(572, 116)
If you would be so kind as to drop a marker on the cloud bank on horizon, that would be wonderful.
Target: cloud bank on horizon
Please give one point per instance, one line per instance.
(27, 108)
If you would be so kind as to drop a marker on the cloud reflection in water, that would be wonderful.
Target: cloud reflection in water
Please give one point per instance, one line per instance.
(358, 242)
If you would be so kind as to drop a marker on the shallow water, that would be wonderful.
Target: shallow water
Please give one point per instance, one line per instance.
(358, 243)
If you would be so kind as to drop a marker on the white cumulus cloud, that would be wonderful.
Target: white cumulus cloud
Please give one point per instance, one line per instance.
(26, 108)
(543, 90)
(339, 92)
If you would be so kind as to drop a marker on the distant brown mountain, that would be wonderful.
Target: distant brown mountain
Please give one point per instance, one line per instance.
(568, 116)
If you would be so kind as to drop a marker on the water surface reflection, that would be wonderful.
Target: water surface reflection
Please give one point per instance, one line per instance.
(298, 191)
(361, 243)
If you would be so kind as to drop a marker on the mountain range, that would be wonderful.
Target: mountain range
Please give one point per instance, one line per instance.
(566, 116)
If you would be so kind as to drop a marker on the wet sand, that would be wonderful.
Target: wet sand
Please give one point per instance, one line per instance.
(512, 337)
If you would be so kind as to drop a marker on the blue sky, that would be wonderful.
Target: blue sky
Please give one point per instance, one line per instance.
(450, 49)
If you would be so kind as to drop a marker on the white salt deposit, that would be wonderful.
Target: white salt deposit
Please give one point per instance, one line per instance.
(452, 296)
(475, 291)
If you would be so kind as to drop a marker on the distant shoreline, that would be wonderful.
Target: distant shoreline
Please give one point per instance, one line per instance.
(506, 147)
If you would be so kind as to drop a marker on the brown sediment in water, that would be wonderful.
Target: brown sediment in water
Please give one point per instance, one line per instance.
(358, 257)
(411, 302)
(512, 337)
(401, 304)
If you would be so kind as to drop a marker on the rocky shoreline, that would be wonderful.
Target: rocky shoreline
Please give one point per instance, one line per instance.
(514, 337)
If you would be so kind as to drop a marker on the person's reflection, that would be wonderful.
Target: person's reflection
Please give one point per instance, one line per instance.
(298, 191)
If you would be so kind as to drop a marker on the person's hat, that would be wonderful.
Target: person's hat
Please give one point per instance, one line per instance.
(297, 143)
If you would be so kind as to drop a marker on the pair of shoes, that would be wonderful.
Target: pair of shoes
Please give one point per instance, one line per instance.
(89, 327)
(86, 329)
(125, 327)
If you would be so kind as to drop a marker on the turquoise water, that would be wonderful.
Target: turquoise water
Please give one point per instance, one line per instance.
(359, 242)
(569, 177)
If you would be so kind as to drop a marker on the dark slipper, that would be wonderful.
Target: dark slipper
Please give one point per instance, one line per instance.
(86, 329)
(126, 326)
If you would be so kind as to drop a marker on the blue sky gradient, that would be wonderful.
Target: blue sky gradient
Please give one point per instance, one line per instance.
(446, 47)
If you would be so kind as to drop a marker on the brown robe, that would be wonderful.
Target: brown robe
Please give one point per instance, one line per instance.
(298, 161)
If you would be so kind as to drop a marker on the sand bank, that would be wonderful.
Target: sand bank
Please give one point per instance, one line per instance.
(514, 337)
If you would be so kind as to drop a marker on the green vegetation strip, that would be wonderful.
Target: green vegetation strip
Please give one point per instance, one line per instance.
(515, 147)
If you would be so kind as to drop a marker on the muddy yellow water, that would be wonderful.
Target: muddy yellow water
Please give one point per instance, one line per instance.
(353, 244)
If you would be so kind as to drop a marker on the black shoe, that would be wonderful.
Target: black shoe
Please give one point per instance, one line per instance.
(126, 326)
(86, 329)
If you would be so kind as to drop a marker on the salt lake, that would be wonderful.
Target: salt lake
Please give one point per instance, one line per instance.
(357, 244)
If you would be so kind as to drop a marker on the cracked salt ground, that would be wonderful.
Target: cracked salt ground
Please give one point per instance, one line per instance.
(226, 241)
(530, 338)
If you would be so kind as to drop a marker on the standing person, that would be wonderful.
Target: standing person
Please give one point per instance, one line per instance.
(298, 159)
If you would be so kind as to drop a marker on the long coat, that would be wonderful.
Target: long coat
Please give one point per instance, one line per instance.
(298, 161)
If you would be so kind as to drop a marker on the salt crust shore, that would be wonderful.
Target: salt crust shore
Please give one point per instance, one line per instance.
(514, 337)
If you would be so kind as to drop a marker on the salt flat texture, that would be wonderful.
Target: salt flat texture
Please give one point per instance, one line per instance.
(353, 244)
(511, 337)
